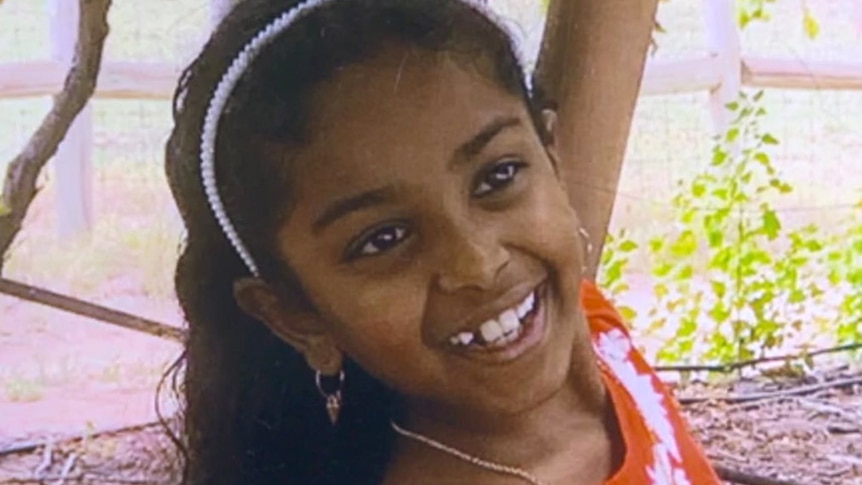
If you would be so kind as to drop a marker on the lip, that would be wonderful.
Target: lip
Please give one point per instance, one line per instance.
(533, 334)
(508, 301)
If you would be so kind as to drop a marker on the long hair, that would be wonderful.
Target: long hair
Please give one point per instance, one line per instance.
(251, 412)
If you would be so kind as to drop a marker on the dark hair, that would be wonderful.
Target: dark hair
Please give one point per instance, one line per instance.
(252, 414)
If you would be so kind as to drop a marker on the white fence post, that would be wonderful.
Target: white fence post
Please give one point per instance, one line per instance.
(722, 39)
(73, 162)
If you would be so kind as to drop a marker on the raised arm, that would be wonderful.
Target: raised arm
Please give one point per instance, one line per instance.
(591, 65)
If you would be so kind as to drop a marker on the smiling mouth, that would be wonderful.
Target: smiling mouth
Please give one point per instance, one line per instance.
(502, 331)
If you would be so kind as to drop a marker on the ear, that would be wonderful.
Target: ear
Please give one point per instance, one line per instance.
(549, 118)
(291, 320)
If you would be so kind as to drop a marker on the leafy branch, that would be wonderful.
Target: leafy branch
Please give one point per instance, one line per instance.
(731, 281)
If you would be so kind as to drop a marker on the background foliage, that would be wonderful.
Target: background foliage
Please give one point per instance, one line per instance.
(730, 279)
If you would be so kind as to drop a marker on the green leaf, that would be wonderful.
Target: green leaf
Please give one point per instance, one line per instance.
(662, 270)
(809, 23)
(814, 245)
(628, 313)
(732, 135)
(613, 272)
(660, 291)
(719, 313)
(628, 246)
(685, 273)
(685, 246)
(744, 18)
(769, 139)
(687, 328)
(719, 288)
(716, 238)
(771, 224)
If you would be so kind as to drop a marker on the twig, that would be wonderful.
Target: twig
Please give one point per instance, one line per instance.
(734, 366)
(825, 408)
(845, 460)
(67, 467)
(90, 310)
(47, 458)
(29, 446)
(842, 428)
(742, 478)
(758, 396)
(19, 187)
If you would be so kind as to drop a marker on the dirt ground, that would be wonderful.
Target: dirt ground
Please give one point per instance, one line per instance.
(809, 439)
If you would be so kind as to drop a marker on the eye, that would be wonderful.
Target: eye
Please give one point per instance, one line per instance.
(377, 241)
(498, 177)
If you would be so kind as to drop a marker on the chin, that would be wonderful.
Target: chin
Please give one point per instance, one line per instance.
(544, 373)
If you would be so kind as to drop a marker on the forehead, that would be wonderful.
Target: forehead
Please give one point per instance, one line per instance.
(397, 114)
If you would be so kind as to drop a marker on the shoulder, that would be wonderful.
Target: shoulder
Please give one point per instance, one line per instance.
(601, 314)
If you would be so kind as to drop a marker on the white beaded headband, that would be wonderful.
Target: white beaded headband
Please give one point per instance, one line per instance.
(225, 88)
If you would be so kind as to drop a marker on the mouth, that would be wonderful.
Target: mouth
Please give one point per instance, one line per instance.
(510, 333)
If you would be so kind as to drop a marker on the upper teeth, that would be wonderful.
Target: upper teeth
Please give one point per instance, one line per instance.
(504, 328)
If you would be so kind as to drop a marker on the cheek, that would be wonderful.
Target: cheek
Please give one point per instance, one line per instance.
(390, 348)
(551, 223)
(376, 317)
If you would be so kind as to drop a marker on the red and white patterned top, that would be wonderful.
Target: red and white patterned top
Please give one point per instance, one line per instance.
(659, 448)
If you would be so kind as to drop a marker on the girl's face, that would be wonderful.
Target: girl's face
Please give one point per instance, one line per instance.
(428, 221)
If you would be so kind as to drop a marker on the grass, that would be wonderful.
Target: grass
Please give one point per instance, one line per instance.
(30, 381)
(45, 351)
(22, 388)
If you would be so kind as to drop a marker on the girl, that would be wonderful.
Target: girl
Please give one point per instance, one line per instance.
(382, 274)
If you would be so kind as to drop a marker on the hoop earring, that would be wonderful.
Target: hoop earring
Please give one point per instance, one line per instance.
(333, 399)
(588, 247)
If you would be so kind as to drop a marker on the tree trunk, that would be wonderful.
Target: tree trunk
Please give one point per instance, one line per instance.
(591, 65)
(19, 188)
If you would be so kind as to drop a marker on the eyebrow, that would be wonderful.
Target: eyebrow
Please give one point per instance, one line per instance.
(465, 152)
(342, 207)
(475, 145)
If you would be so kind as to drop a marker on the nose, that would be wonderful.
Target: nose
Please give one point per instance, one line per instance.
(473, 259)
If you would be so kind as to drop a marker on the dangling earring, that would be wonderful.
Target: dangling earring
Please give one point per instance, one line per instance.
(588, 248)
(333, 399)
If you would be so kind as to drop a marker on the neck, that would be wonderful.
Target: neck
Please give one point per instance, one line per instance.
(566, 437)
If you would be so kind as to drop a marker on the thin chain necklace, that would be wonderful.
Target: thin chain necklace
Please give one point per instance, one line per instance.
(474, 460)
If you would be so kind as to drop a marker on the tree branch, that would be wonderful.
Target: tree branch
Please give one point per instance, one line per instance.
(19, 187)
(90, 310)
